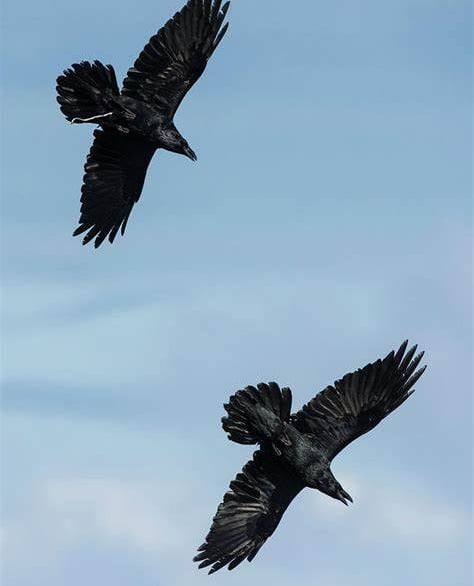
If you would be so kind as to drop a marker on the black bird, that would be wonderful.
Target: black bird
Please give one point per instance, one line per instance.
(138, 119)
(296, 450)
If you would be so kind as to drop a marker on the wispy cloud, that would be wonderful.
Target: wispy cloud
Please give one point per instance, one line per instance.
(110, 512)
(113, 510)
(394, 509)
(159, 526)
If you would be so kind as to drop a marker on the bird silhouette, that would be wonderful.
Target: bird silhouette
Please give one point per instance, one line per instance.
(137, 120)
(296, 450)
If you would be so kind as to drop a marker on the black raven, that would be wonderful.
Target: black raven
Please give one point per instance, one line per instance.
(138, 119)
(296, 450)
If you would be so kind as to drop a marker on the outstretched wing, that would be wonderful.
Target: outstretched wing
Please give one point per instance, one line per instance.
(114, 175)
(249, 513)
(360, 400)
(176, 56)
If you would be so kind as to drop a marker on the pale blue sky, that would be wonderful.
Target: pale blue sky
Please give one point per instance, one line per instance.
(327, 219)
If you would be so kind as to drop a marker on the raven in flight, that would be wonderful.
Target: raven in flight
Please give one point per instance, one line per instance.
(138, 119)
(296, 450)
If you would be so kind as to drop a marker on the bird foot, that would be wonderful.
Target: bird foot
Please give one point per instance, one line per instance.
(128, 114)
(80, 120)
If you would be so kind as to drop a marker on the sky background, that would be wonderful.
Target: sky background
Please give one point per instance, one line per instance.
(327, 219)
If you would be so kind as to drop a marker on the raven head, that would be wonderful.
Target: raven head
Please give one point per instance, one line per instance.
(325, 482)
(171, 140)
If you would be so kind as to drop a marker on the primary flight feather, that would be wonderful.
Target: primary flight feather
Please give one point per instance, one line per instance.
(137, 120)
(296, 450)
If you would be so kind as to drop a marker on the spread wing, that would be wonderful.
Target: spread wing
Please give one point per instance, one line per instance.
(114, 175)
(176, 56)
(249, 513)
(360, 400)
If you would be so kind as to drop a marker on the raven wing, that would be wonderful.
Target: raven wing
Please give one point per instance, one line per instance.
(176, 56)
(360, 400)
(114, 175)
(249, 513)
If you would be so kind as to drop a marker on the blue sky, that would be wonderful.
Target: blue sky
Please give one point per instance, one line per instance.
(327, 219)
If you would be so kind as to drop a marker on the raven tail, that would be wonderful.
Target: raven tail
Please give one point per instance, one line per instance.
(258, 414)
(84, 91)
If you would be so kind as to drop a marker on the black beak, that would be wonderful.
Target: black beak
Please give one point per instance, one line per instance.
(343, 496)
(188, 151)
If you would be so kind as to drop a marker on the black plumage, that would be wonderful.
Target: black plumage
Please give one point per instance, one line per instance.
(137, 120)
(296, 450)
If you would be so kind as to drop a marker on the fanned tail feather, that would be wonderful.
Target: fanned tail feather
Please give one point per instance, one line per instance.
(84, 89)
(257, 414)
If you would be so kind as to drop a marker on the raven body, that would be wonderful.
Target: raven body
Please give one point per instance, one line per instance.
(137, 120)
(296, 450)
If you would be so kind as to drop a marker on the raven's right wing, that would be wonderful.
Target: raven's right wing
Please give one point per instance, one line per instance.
(249, 513)
(114, 175)
(359, 400)
(176, 56)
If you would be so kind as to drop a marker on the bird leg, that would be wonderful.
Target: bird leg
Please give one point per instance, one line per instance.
(76, 120)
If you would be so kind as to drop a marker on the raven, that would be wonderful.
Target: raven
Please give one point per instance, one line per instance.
(138, 119)
(296, 450)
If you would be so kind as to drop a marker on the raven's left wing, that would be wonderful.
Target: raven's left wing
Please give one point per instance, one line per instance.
(249, 513)
(114, 175)
(360, 400)
(176, 56)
